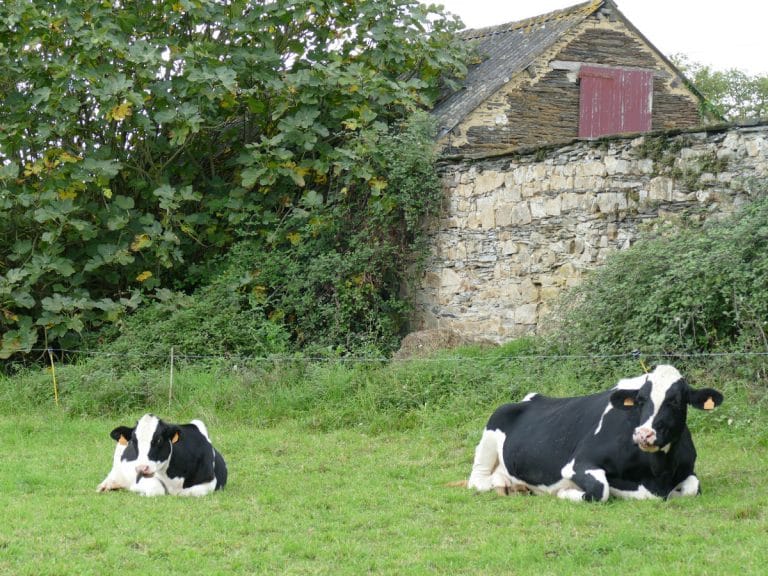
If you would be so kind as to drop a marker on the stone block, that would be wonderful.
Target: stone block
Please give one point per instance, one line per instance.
(527, 314)
(660, 188)
(504, 216)
(615, 166)
(521, 214)
(488, 181)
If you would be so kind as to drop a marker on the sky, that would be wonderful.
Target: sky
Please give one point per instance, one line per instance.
(722, 35)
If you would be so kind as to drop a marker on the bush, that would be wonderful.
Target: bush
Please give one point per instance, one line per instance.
(702, 289)
(333, 288)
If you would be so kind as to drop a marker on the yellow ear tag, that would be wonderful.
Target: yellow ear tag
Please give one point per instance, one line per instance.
(629, 402)
(709, 404)
(175, 438)
(122, 440)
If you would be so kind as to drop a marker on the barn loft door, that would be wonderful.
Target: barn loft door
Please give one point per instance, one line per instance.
(614, 100)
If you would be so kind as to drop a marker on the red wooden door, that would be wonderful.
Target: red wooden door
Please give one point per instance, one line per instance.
(614, 100)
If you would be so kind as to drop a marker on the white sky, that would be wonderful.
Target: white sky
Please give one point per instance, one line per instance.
(723, 35)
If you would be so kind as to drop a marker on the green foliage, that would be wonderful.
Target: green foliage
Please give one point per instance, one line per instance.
(141, 138)
(332, 289)
(731, 94)
(700, 289)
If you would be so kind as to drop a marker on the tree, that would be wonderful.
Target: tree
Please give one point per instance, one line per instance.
(733, 94)
(139, 138)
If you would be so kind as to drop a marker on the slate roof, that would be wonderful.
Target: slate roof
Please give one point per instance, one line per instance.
(505, 50)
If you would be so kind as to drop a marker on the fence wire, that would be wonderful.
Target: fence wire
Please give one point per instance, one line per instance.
(176, 355)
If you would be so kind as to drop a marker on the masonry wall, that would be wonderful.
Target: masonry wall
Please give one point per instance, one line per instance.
(516, 230)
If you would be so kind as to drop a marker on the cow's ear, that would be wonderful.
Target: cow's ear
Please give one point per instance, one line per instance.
(173, 433)
(624, 399)
(121, 434)
(705, 399)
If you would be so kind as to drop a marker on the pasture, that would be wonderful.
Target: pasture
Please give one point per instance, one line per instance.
(310, 494)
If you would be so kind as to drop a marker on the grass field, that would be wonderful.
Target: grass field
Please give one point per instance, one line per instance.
(359, 499)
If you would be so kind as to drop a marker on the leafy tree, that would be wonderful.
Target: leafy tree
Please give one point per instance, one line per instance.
(140, 138)
(733, 94)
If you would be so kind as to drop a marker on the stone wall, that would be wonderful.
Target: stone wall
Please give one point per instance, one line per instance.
(516, 230)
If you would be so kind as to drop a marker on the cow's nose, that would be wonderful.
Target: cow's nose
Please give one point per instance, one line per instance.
(142, 469)
(644, 436)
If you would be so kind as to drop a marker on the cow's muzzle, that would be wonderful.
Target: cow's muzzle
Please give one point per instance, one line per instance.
(143, 471)
(645, 438)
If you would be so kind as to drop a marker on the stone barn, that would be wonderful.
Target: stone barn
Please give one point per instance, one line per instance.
(584, 71)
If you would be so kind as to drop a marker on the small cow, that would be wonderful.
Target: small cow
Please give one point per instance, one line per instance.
(155, 458)
(630, 442)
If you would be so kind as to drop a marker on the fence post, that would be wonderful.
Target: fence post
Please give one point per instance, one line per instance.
(170, 383)
(53, 376)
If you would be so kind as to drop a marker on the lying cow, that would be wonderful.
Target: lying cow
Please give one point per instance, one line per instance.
(155, 458)
(631, 442)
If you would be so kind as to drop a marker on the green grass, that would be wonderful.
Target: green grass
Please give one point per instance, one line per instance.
(340, 470)
(348, 502)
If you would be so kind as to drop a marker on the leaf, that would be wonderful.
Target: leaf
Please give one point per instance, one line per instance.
(120, 112)
(68, 194)
(140, 241)
(40, 95)
(124, 202)
(311, 199)
(9, 171)
(144, 276)
(165, 116)
(105, 168)
(19, 340)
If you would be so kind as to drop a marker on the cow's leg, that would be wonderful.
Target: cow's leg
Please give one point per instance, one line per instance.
(148, 487)
(688, 487)
(199, 489)
(591, 483)
(117, 478)
(488, 472)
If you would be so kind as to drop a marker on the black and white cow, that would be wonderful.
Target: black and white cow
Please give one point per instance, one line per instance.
(630, 442)
(155, 458)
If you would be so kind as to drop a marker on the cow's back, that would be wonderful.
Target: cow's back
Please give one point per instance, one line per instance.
(543, 433)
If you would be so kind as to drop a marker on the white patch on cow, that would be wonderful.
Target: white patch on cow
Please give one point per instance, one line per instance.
(488, 470)
(688, 487)
(641, 493)
(662, 378)
(599, 475)
(568, 472)
(530, 396)
(145, 431)
(608, 408)
(121, 476)
(202, 428)
(573, 494)
(148, 486)
(634, 383)
(199, 489)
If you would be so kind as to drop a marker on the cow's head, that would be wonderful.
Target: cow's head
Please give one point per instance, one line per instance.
(149, 444)
(661, 404)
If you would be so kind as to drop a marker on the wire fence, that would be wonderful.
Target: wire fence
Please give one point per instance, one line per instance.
(174, 355)
(460, 365)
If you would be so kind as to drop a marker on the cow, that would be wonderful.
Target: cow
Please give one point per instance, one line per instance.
(155, 458)
(631, 441)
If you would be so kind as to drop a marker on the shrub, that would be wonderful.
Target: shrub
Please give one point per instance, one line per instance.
(701, 289)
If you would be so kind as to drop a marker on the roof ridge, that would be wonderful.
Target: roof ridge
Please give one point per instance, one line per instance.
(584, 8)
